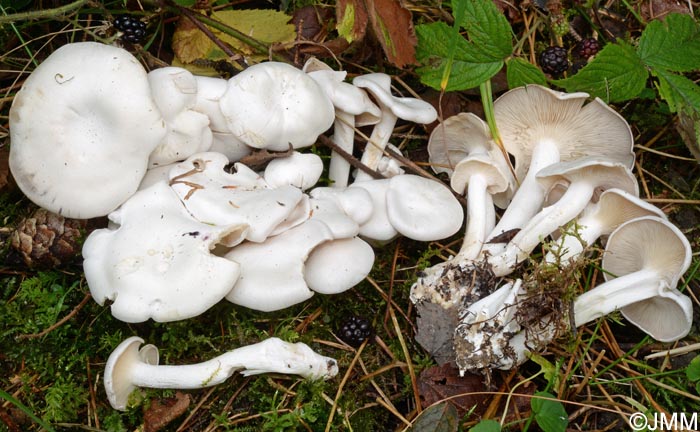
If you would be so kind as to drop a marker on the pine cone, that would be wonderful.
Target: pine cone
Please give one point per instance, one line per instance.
(46, 240)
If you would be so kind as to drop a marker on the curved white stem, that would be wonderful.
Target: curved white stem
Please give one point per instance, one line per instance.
(378, 140)
(529, 197)
(478, 203)
(571, 246)
(343, 137)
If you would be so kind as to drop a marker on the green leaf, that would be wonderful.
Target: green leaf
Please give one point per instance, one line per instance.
(678, 91)
(467, 69)
(615, 74)
(486, 426)
(488, 29)
(693, 369)
(549, 414)
(520, 72)
(672, 44)
(548, 368)
(438, 418)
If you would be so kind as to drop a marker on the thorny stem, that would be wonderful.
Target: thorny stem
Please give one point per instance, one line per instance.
(40, 14)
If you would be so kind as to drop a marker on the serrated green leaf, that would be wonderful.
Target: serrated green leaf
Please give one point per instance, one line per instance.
(438, 418)
(488, 29)
(520, 72)
(549, 414)
(678, 91)
(672, 44)
(486, 426)
(467, 71)
(692, 371)
(615, 74)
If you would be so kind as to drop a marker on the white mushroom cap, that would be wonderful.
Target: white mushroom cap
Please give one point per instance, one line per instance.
(378, 228)
(157, 263)
(410, 109)
(654, 245)
(271, 105)
(456, 138)
(300, 170)
(494, 169)
(209, 92)
(82, 127)
(338, 265)
(422, 209)
(356, 202)
(528, 115)
(174, 90)
(272, 272)
(213, 196)
(327, 210)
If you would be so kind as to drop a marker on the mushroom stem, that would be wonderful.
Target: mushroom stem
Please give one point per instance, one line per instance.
(343, 136)
(478, 218)
(544, 223)
(378, 140)
(616, 294)
(528, 200)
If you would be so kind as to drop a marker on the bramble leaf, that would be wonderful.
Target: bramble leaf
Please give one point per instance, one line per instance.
(487, 29)
(615, 74)
(672, 44)
(678, 91)
(692, 371)
(520, 72)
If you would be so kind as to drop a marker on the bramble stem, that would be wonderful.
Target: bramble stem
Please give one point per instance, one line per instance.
(44, 13)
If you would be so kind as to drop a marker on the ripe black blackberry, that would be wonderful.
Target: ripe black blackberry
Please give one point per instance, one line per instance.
(354, 330)
(554, 60)
(134, 30)
(587, 48)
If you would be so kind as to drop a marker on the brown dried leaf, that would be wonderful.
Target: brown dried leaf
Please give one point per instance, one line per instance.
(189, 43)
(162, 411)
(654, 9)
(438, 383)
(393, 25)
(352, 19)
(311, 22)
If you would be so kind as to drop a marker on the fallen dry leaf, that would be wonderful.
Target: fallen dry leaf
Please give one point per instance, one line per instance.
(439, 383)
(162, 411)
(352, 19)
(393, 25)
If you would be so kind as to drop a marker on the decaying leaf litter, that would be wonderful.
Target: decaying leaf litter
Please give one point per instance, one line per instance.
(386, 397)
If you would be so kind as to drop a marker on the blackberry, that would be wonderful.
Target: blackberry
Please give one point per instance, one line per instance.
(355, 330)
(587, 48)
(554, 60)
(134, 30)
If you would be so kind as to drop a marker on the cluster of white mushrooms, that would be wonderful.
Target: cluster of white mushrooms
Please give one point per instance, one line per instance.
(573, 166)
(94, 134)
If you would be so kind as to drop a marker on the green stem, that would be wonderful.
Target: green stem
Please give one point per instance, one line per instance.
(45, 13)
(512, 390)
(487, 102)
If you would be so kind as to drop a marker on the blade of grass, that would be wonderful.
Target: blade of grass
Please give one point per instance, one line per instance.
(11, 399)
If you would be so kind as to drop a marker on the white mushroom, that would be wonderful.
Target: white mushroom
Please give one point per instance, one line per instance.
(272, 272)
(81, 128)
(614, 207)
(349, 102)
(175, 93)
(157, 262)
(584, 176)
(216, 197)
(338, 265)
(392, 108)
(271, 105)
(129, 368)
(540, 127)
(301, 170)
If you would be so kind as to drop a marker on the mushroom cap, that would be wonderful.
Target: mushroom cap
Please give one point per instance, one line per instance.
(345, 96)
(498, 177)
(456, 138)
(338, 265)
(614, 207)
(422, 209)
(117, 378)
(301, 170)
(216, 197)
(411, 109)
(356, 202)
(327, 210)
(157, 261)
(272, 272)
(82, 127)
(531, 114)
(173, 89)
(603, 172)
(377, 228)
(653, 243)
(209, 91)
(271, 105)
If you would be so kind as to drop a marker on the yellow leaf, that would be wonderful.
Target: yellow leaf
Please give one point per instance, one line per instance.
(189, 43)
(265, 25)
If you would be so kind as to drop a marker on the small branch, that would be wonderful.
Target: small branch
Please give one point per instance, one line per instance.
(44, 13)
(58, 323)
(348, 157)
